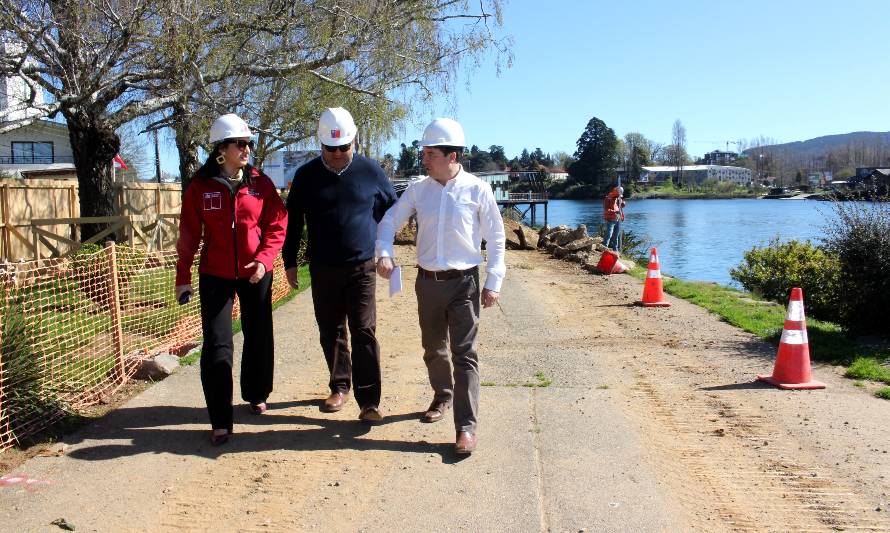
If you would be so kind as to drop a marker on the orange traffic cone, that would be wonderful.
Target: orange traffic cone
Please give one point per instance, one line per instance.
(653, 296)
(792, 370)
(607, 262)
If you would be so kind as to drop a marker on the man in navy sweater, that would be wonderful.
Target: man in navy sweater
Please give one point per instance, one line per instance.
(340, 197)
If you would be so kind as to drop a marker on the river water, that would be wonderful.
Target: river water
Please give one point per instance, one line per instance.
(703, 239)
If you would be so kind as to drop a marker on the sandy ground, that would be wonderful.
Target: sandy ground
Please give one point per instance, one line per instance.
(651, 422)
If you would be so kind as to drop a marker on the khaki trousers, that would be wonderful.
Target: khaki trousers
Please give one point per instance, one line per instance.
(449, 317)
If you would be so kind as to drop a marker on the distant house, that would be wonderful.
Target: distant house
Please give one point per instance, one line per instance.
(40, 149)
(499, 181)
(698, 174)
(557, 174)
(871, 178)
(878, 181)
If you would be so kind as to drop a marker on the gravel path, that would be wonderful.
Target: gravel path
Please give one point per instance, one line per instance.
(650, 422)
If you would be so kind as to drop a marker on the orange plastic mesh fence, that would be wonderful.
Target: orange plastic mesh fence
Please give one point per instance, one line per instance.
(73, 330)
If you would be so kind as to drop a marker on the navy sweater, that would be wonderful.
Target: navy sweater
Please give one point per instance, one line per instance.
(340, 212)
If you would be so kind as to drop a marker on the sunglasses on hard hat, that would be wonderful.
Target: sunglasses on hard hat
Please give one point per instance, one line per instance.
(242, 144)
(342, 148)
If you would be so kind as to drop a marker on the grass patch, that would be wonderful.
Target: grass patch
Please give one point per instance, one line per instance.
(543, 381)
(828, 342)
(603, 386)
(705, 190)
(868, 368)
(883, 393)
(488, 383)
(305, 283)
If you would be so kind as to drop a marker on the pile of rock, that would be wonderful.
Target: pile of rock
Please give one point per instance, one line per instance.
(574, 245)
(519, 236)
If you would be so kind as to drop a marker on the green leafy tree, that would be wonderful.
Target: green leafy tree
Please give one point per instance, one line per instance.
(596, 156)
(525, 159)
(408, 159)
(497, 155)
(181, 64)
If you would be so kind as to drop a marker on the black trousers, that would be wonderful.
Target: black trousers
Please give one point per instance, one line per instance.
(258, 355)
(344, 297)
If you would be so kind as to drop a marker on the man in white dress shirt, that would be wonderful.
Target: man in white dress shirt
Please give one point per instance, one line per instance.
(455, 212)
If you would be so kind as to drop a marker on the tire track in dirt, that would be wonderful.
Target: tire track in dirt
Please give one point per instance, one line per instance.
(787, 491)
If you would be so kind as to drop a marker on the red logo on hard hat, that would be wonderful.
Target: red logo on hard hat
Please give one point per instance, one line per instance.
(335, 134)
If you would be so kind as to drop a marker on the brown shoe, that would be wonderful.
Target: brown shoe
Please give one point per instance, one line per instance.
(466, 443)
(334, 402)
(370, 413)
(435, 412)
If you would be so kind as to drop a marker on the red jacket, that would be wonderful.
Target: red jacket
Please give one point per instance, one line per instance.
(236, 229)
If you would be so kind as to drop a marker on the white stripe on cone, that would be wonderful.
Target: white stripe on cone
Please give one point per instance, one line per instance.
(653, 274)
(794, 336)
(795, 311)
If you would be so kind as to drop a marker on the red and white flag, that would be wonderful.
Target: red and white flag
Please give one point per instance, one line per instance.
(119, 160)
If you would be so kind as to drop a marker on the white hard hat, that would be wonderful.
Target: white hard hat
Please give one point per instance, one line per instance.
(229, 127)
(336, 127)
(443, 132)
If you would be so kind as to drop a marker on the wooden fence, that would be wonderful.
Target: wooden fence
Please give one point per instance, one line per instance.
(40, 217)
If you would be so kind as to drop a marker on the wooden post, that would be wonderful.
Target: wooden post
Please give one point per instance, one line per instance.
(71, 200)
(35, 238)
(5, 430)
(4, 205)
(120, 372)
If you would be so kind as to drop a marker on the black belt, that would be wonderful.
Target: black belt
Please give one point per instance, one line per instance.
(442, 275)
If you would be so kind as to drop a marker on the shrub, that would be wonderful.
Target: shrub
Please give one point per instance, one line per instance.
(27, 395)
(860, 240)
(772, 271)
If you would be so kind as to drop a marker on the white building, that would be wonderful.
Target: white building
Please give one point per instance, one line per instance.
(698, 174)
(281, 165)
(557, 175)
(40, 148)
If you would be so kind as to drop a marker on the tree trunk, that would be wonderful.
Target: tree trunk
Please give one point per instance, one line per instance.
(188, 159)
(94, 145)
(186, 144)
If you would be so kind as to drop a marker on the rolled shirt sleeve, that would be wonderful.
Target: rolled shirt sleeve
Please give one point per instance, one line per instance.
(492, 230)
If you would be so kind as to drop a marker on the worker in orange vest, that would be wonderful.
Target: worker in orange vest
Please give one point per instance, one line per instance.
(613, 215)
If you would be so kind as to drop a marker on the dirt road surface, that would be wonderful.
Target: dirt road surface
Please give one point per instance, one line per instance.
(650, 422)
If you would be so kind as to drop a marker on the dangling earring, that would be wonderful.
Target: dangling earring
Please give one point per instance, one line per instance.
(220, 159)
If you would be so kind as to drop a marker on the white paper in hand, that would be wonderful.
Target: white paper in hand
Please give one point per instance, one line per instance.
(395, 281)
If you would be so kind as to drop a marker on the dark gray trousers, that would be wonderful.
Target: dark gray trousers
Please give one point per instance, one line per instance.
(344, 299)
(449, 315)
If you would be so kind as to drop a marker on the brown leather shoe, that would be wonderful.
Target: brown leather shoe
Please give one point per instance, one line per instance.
(466, 443)
(435, 412)
(334, 402)
(370, 413)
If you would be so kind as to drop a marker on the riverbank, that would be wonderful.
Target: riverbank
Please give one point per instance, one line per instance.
(828, 342)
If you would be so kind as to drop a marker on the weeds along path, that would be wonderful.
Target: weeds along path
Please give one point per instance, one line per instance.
(595, 415)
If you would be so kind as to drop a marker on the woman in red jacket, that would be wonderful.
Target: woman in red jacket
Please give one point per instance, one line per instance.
(235, 209)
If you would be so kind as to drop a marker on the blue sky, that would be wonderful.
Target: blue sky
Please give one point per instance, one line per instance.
(787, 69)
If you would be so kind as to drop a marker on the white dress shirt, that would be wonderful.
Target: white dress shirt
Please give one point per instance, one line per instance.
(452, 221)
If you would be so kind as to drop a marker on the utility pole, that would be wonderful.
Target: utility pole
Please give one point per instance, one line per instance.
(157, 157)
